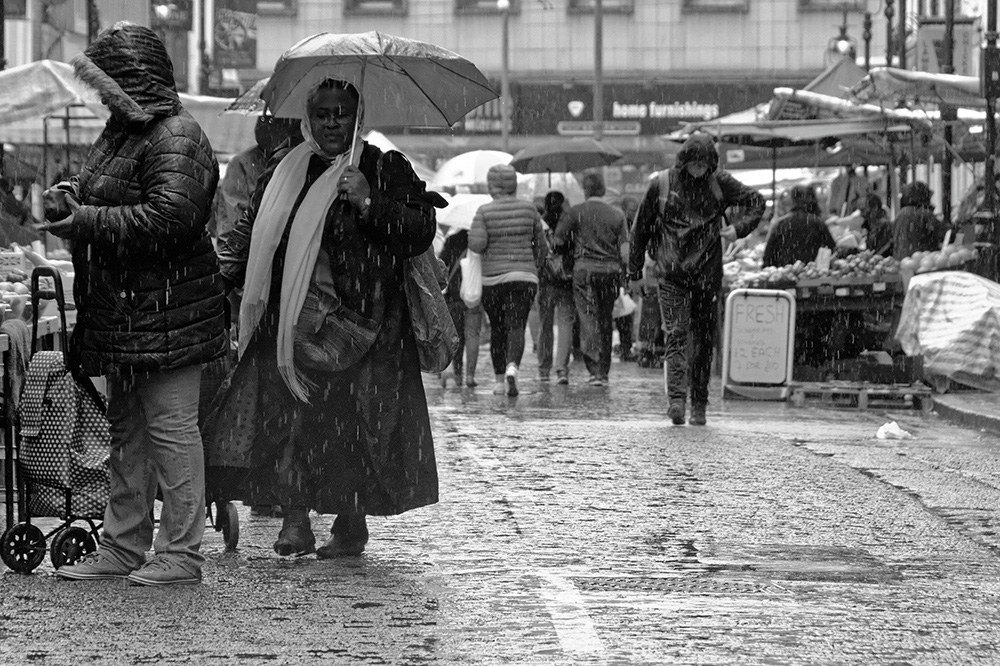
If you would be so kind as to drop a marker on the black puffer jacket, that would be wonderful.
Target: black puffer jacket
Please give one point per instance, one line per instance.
(685, 240)
(147, 279)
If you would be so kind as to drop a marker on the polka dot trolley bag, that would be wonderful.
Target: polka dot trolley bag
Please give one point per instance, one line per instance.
(63, 432)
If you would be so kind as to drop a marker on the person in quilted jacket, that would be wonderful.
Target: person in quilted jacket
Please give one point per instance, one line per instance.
(149, 301)
(508, 233)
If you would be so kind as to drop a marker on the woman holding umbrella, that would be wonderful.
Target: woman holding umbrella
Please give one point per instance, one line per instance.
(328, 396)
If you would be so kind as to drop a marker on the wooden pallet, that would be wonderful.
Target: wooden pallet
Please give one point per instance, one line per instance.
(861, 395)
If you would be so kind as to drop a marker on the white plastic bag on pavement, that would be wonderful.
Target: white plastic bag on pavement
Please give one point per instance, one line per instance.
(892, 430)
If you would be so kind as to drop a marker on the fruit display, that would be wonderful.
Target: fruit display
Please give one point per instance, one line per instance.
(864, 265)
(951, 256)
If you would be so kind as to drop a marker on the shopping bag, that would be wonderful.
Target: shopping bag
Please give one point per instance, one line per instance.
(472, 279)
(65, 438)
(433, 327)
(624, 305)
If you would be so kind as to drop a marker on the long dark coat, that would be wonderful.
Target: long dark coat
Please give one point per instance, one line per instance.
(364, 443)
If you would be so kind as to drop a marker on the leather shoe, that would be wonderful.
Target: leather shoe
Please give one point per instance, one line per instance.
(295, 540)
(349, 535)
(296, 537)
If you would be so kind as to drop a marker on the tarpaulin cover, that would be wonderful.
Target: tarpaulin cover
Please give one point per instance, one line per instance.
(48, 88)
(952, 320)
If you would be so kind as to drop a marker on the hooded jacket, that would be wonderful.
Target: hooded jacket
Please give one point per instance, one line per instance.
(685, 241)
(507, 231)
(147, 281)
(916, 227)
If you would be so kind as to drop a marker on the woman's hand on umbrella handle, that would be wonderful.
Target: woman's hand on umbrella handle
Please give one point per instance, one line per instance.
(354, 185)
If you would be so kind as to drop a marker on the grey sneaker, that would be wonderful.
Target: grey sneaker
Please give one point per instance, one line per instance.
(162, 570)
(93, 566)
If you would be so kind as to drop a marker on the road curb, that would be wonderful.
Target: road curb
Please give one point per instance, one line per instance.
(965, 417)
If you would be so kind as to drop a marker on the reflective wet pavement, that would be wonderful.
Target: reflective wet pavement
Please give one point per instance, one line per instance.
(576, 526)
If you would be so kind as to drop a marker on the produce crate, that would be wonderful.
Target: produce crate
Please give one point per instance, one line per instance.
(858, 287)
(861, 396)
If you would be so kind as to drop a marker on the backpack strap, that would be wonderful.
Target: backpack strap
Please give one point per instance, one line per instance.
(713, 182)
(664, 180)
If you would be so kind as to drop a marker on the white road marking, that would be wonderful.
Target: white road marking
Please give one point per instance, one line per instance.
(566, 607)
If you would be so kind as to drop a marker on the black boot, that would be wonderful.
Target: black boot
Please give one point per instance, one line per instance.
(349, 535)
(296, 537)
(676, 412)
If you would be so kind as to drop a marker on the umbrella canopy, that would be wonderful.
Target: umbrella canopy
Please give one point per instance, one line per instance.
(468, 168)
(404, 82)
(564, 155)
(461, 209)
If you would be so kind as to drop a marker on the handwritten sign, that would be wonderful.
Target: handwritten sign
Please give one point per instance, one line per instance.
(758, 340)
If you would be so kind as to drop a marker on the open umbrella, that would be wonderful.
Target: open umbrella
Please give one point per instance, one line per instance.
(404, 82)
(461, 209)
(563, 155)
(467, 169)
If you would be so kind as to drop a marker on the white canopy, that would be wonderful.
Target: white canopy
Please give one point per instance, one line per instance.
(43, 102)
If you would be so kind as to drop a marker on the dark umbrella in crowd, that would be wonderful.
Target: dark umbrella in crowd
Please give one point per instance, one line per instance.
(562, 155)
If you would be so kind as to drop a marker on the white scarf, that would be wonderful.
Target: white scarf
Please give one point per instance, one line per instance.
(300, 255)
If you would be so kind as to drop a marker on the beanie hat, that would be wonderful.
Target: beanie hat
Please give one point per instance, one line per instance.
(501, 179)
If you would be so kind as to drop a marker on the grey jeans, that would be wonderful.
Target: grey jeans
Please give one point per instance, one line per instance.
(155, 443)
(555, 307)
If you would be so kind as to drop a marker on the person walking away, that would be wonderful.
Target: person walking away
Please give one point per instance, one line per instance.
(556, 308)
(149, 303)
(508, 233)
(233, 197)
(597, 235)
(681, 221)
(468, 321)
(799, 235)
(243, 170)
(626, 324)
(916, 227)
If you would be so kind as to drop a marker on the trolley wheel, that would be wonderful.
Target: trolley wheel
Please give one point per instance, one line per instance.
(22, 547)
(229, 522)
(69, 545)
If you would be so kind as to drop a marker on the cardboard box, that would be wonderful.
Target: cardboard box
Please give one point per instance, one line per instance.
(11, 260)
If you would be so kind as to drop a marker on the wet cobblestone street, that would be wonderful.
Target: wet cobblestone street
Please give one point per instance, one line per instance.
(577, 526)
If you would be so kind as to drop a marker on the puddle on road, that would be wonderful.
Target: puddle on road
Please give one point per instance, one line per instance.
(800, 562)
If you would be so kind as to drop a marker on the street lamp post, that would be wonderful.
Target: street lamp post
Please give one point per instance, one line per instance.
(889, 13)
(866, 35)
(598, 70)
(504, 7)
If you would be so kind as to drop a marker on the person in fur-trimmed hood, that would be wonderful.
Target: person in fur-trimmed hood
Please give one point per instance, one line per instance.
(681, 223)
(149, 300)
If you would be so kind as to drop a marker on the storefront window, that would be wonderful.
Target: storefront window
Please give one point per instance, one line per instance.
(833, 5)
(15, 9)
(276, 7)
(716, 5)
(609, 6)
(392, 7)
(484, 7)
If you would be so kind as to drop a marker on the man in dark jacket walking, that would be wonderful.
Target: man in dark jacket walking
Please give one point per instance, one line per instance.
(597, 234)
(149, 301)
(681, 220)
